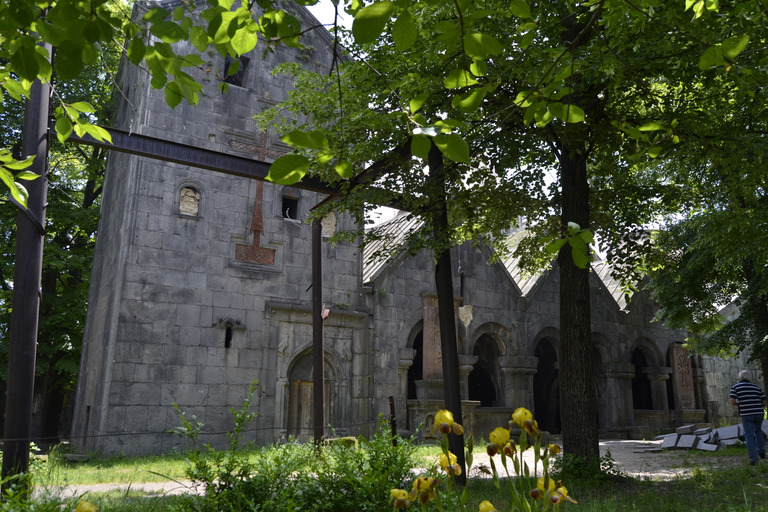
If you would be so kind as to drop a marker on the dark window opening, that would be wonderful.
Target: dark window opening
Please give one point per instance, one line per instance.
(290, 209)
(228, 337)
(239, 76)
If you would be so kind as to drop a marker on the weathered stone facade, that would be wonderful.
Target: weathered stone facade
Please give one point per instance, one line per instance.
(201, 285)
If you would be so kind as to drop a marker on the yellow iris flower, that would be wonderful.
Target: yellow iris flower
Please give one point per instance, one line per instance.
(521, 415)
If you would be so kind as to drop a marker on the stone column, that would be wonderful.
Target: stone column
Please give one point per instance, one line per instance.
(433, 352)
(466, 364)
(618, 395)
(407, 356)
(281, 403)
(517, 381)
(658, 377)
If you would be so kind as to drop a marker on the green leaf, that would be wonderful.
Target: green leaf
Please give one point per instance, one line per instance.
(309, 140)
(69, 61)
(156, 15)
(527, 39)
(98, 133)
(199, 38)
(193, 59)
(573, 114)
(712, 5)
(712, 56)
(168, 32)
(734, 45)
(173, 94)
(469, 101)
(525, 99)
(82, 106)
(244, 40)
(454, 147)
(136, 51)
(288, 169)
(344, 169)
(18, 165)
(20, 193)
(24, 63)
(63, 128)
(416, 103)
(370, 21)
(15, 89)
(481, 46)
(580, 258)
(651, 127)
(555, 246)
(404, 31)
(178, 13)
(654, 151)
(420, 145)
(27, 175)
(459, 78)
(478, 67)
(519, 8)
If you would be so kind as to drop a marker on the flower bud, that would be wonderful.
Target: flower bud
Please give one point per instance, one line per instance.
(491, 450)
(536, 493)
(458, 429)
(444, 428)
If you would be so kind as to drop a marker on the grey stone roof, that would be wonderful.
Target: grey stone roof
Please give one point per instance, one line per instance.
(395, 232)
(392, 233)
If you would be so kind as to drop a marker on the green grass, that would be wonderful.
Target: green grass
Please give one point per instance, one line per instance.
(720, 481)
(118, 469)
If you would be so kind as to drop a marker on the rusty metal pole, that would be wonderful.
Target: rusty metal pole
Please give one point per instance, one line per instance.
(28, 267)
(444, 285)
(318, 349)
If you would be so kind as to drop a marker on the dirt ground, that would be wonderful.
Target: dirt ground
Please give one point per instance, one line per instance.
(666, 465)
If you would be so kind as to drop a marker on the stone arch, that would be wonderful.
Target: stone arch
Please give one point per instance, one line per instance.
(483, 381)
(189, 199)
(500, 334)
(300, 398)
(551, 333)
(546, 383)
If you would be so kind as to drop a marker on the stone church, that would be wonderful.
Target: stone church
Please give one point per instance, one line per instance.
(201, 285)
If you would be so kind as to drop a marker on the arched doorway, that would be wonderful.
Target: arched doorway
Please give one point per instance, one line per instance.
(483, 378)
(642, 395)
(546, 388)
(301, 397)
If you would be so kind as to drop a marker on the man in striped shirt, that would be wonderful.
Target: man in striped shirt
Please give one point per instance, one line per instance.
(751, 400)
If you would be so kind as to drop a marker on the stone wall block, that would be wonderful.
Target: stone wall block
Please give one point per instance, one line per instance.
(184, 395)
(136, 418)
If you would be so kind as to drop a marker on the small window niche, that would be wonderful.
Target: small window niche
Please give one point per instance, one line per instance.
(189, 201)
(289, 205)
(240, 66)
(229, 326)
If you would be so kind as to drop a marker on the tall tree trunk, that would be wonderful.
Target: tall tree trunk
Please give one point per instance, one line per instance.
(578, 401)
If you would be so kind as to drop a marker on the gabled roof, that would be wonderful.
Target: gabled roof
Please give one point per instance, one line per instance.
(391, 235)
(394, 233)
